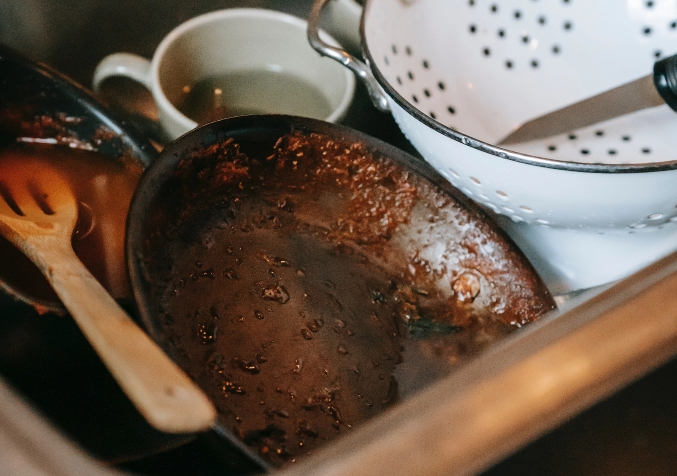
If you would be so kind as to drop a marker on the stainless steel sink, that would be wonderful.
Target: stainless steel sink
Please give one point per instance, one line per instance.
(633, 431)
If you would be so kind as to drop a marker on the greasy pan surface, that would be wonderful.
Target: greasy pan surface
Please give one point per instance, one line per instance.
(309, 276)
(43, 354)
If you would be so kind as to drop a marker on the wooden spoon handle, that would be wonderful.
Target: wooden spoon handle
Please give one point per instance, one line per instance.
(164, 395)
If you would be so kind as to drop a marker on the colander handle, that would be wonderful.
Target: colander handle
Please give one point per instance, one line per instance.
(360, 68)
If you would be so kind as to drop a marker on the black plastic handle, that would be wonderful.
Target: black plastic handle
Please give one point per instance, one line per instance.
(665, 79)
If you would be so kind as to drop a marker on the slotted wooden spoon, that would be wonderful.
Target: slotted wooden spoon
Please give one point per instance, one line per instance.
(38, 212)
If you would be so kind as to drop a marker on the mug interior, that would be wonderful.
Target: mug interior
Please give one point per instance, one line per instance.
(242, 45)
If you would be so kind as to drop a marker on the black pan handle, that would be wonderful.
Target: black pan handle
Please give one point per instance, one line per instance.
(665, 79)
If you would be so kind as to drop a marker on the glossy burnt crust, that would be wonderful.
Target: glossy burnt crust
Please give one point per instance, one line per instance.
(377, 199)
(308, 283)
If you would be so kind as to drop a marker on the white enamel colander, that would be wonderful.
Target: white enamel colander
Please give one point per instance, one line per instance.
(587, 207)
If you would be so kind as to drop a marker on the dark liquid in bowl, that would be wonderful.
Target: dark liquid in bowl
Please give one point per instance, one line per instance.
(103, 189)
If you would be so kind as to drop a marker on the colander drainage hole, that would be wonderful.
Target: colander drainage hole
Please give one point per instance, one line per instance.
(649, 4)
(568, 25)
(646, 150)
(534, 63)
(517, 14)
(572, 136)
(612, 152)
(494, 8)
(555, 50)
(657, 54)
(673, 25)
(626, 138)
(399, 80)
(410, 75)
(541, 20)
(585, 151)
(508, 64)
(407, 49)
(486, 51)
(426, 65)
(432, 114)
(451, 110)
(441, 86)
(552, 148)
(501, 33)
(414, 98)
(394, 48)
(472, 28)
(599, 133)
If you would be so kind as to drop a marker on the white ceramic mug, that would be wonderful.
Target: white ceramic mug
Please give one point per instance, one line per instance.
(241, 46)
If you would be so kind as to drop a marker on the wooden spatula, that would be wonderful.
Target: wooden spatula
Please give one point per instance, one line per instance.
(38, 212)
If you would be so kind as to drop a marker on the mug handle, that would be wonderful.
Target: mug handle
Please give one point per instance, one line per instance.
(360, 68)
(122, 64)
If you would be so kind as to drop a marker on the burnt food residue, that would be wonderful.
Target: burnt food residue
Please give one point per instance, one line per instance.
(308, 287)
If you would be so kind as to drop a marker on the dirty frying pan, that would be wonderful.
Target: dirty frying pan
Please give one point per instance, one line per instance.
(43, 354)
(308, 276)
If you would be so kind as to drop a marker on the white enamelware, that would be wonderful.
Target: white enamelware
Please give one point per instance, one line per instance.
(587, 207)
(230, 41)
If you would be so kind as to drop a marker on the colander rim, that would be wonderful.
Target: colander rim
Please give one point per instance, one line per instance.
(490, 148)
